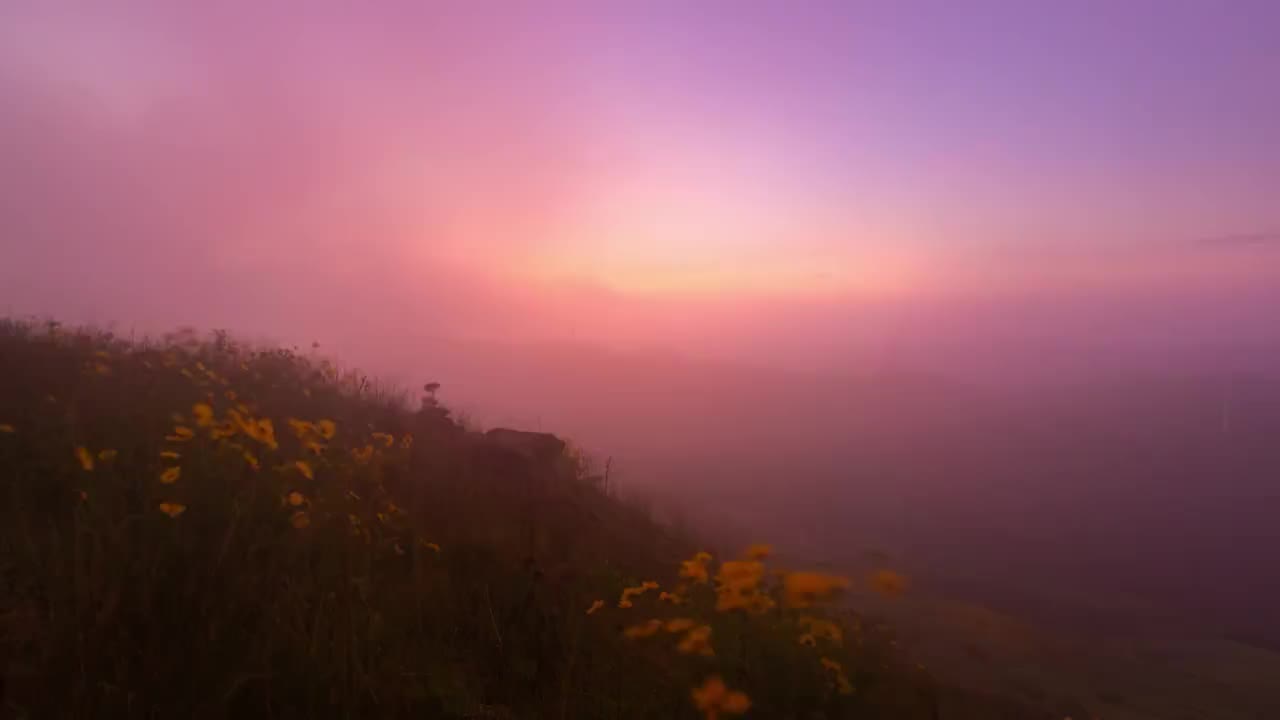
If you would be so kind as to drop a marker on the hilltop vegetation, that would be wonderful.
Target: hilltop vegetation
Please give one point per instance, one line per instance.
(193, 527)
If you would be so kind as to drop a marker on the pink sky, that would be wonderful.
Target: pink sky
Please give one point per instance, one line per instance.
(711, 181)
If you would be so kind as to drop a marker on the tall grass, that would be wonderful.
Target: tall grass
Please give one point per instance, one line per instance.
(193, 527)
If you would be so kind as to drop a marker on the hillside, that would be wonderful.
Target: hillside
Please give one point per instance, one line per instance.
(193, 527)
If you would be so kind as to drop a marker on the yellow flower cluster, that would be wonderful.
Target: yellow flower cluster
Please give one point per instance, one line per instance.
(817, 628)
(628, 593)
(835, 673)
(888, 583)
(713, 698)
(738, 587)
(804, 589)
(695, 568)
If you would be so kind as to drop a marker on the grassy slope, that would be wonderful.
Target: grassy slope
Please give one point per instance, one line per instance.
(399, 565)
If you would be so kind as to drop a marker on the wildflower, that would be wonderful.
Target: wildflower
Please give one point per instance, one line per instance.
(808, 640)
(628, 593)
(107, 455)
(181, 433)
(406, 442)
(595, 606)
(672, 598)
(327, 429)
(837, 676)
(643, 630)
(252, 460)
(695, 569)
(222, 431)
(85, 458)
(713, 698)
(758, 552)
(819, 628)
(313, 447)
(203, 414)
(696, 642)
(386, 439)
(363, 454)
(172, 509)
(888, 583)
(170, 475)
(300, 520)
(230, 395)
(170, 455)
(7, 428)
(738, 586)
(295, 498)
(301, 428)
(101, 368)
(305, 469)
(432, 546)
(802, 589)
(678, 625)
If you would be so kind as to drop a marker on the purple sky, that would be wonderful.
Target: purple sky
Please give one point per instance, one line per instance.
(825, 185)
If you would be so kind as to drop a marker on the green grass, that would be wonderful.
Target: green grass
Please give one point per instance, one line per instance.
(408, 568)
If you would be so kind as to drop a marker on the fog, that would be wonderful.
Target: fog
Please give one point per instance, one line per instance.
(1019, 381)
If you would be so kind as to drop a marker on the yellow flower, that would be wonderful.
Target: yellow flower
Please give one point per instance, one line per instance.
(802, 589)
(203, 414)
(301, 428)
(363, 454)
(643, 630)
(107, 455)
(819, 628)
(713, 698)
(406, 442)
(170, 475)
(679, 624)
(300, 520)
(758, 552)
(85, 457)
(432, 546)
(295, 498)
(181, 433)
(672, 598)
(598, 604)
(169, 455)
(327, 429)
(305, 469)
(837, 676)
(223, 430)
(695, 569)
(6, 428)
(251, 459)
(384, 438)
(888, 583)
(313, 447)
(738, 586)
(696, 642)
(172, 509)
(628, 593)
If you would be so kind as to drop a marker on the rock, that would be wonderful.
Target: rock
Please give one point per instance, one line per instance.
(536, 446)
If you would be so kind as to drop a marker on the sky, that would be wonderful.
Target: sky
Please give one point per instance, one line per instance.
(824, 186)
